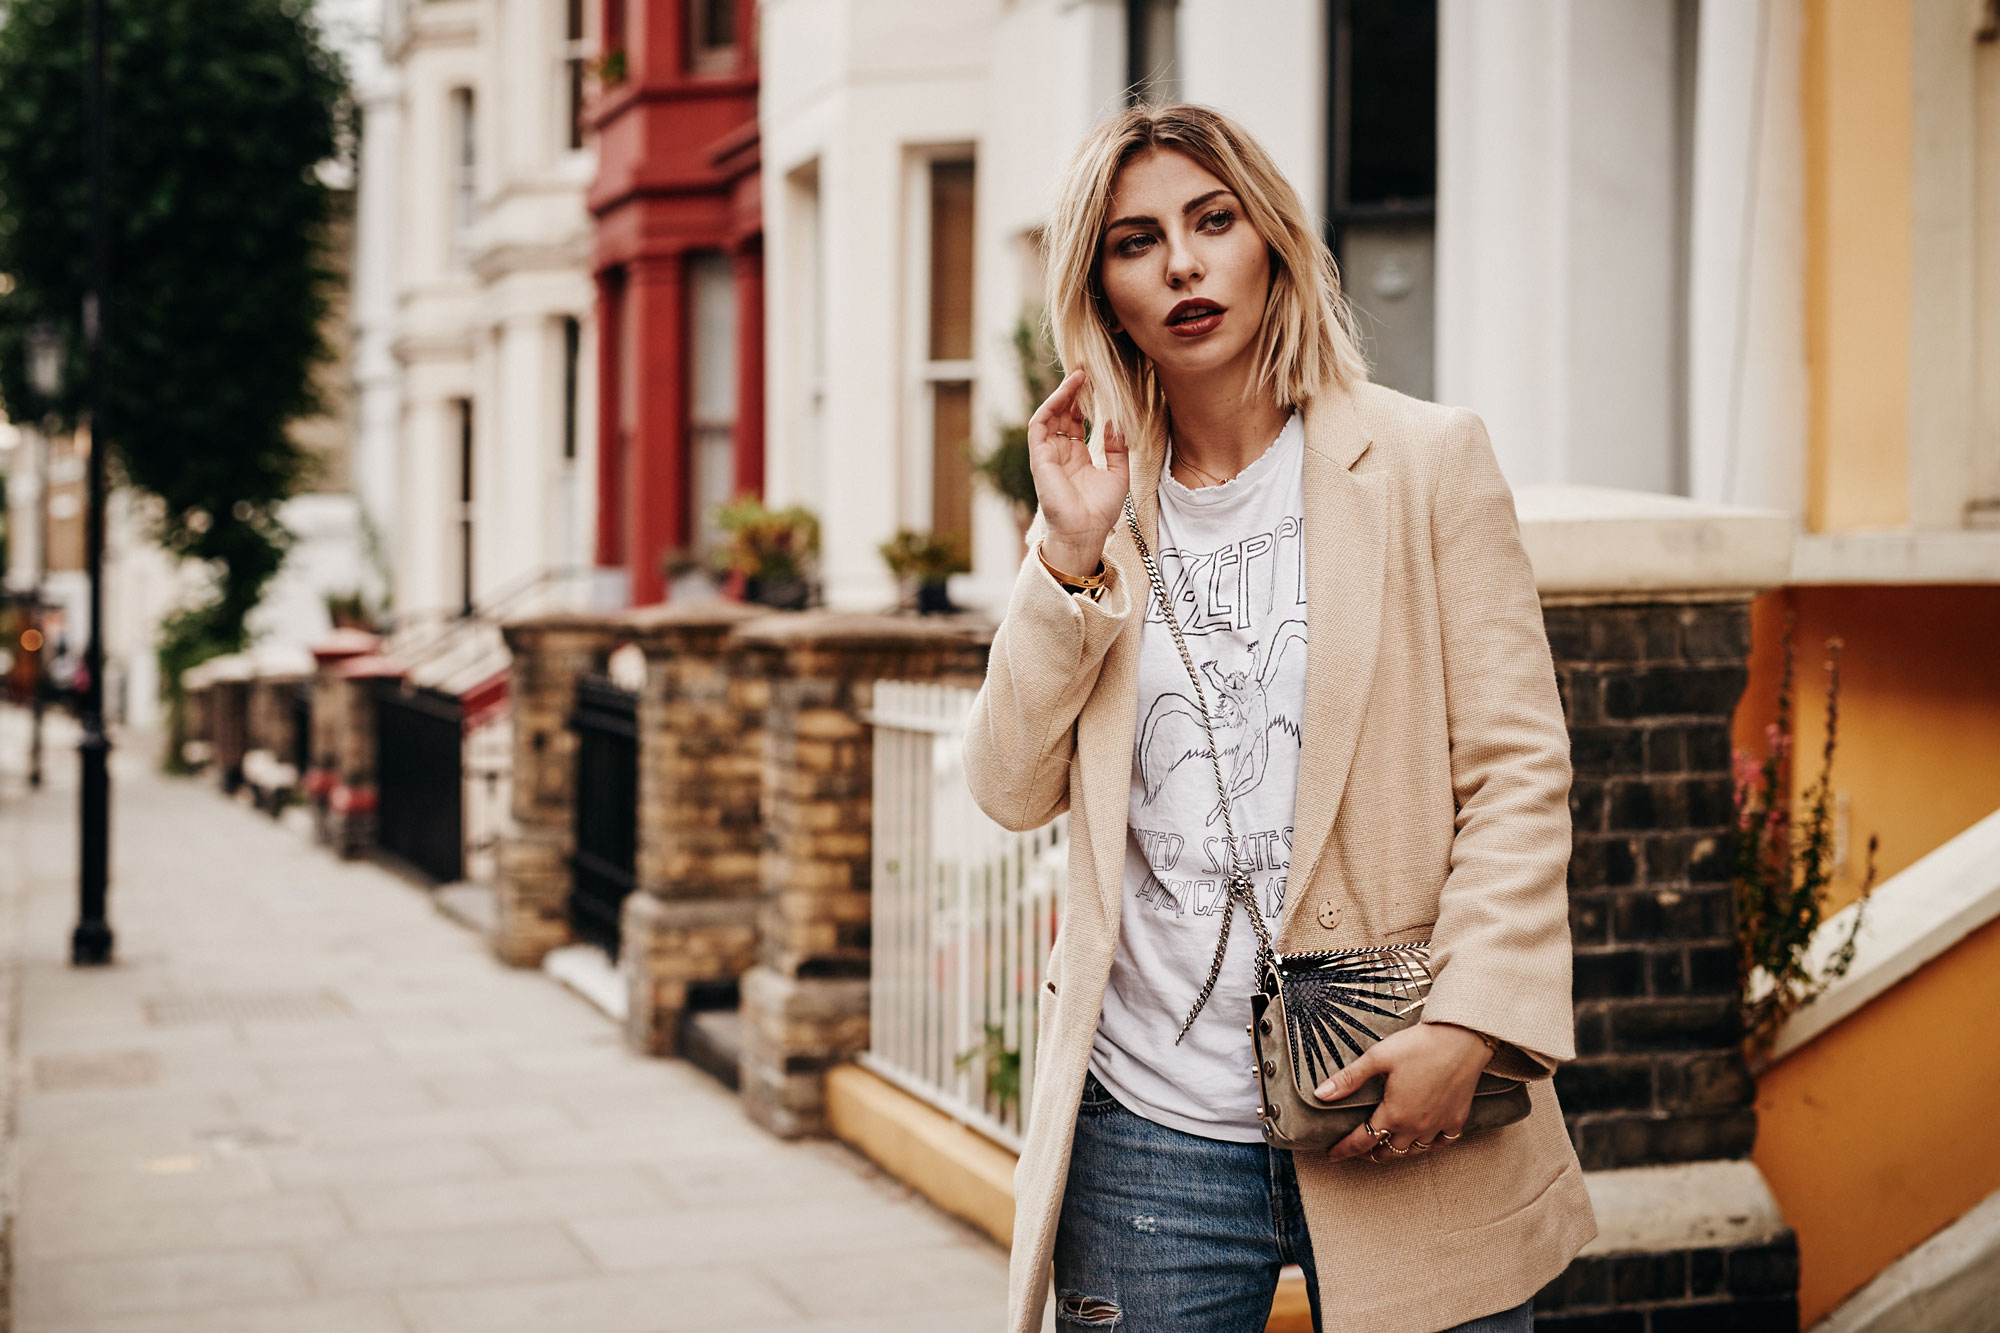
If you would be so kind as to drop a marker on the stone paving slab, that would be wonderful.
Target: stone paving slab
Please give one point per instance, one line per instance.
(302, 1099)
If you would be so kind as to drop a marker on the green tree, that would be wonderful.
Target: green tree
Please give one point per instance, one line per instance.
(222, 113)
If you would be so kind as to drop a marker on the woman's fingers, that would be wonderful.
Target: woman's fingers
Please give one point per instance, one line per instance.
(1356, 1144)
(1056, 417)
(1347, 1078)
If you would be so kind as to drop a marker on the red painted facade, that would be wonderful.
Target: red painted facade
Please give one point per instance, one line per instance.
(677, 180)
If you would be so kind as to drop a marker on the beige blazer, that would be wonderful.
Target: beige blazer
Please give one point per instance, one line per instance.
(1432, 803)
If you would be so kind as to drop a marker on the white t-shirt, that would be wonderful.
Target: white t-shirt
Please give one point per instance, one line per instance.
(1234, 565)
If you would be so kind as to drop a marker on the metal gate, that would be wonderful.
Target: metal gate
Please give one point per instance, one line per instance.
(606, 722)
(301, 757)
(420, 779)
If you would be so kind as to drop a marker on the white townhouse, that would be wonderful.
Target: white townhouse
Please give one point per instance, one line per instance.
(481, 152)
(1568, 216)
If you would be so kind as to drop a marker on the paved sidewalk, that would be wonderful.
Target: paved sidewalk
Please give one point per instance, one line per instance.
(304, 1101)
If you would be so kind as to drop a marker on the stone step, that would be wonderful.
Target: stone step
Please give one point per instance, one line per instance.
(712, 1039)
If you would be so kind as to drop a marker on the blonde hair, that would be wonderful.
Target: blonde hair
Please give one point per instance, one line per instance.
(1307, 335)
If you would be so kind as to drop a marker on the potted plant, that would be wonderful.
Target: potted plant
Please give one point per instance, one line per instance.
(349, 610)
(929, 559)
(772, 551)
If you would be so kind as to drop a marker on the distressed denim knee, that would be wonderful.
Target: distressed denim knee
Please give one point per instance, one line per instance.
(1076, 1310)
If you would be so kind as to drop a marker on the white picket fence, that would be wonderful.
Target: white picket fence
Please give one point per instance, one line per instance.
(964, 914)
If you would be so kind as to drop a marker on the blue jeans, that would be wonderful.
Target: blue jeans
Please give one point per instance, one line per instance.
(1163, 1231)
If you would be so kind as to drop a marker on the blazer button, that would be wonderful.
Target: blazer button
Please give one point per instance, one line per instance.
(1329, 915)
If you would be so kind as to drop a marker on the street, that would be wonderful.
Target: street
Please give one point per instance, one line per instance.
(302, 1099)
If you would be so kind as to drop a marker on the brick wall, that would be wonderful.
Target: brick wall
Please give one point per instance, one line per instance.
(532, 877)
(1740, 1288)
(1648, 691)
(344, 721)
(689, 929)
(805, 1004)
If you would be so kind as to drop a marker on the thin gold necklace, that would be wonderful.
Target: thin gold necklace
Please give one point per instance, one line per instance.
(1208, 477)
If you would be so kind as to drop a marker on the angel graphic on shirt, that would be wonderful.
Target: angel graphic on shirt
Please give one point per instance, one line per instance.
(1244, 720)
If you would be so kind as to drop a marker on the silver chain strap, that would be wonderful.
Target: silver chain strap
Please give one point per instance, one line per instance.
(1237, 887)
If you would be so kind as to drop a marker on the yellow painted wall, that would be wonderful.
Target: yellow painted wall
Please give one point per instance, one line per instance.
(1857, 118)
(1874, 1136)
(1919, 739)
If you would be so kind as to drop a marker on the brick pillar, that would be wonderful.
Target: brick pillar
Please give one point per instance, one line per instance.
(1660, 1081)
(805, 1004)
(533, 878)
(690, 926)
(323, 770)
(229, 720)
(349, 827)
(272, 727)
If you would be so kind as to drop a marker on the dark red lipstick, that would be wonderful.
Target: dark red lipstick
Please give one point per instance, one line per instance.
(1194, 317)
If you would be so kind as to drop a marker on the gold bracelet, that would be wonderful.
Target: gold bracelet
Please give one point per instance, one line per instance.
(1077, 582)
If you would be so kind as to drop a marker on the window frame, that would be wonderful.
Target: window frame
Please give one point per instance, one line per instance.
(924, 374)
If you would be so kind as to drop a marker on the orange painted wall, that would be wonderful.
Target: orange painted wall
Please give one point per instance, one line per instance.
(1919, 743)
(1857, 122)
(1872, 1135)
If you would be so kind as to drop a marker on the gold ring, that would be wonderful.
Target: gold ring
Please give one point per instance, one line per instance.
(1452, 1138)
(1381, 1136)
(1400, 1152)
(1374, 1155)
(1421, 1146)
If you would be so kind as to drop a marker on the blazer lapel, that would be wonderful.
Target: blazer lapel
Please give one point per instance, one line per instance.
(1346, 530)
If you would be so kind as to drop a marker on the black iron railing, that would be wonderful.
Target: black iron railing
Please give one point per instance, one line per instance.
(301, 756)
(606, 722)
(420, 779)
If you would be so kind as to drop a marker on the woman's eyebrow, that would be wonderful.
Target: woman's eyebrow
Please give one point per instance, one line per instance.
(1186, 208)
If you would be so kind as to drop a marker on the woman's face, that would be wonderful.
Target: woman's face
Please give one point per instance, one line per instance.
(1184, 273)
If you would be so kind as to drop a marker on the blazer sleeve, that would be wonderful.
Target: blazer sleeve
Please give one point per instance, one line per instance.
(1045, 661)
(1500, 951)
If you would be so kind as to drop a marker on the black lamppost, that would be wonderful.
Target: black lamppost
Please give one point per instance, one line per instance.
(90, 942)
(45, 367)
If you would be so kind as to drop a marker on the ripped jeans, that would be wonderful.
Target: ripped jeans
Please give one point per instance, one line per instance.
(1163, 1231)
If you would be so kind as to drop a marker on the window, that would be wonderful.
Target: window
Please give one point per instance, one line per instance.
(712, 396)
(572, 349)
(463, 407)
(464, 175)
(1151, 38)
(575, 62)
(1382, 179)
(711, 36)
(948, 365)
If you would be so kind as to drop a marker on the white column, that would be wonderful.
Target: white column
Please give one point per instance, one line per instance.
(1270, 74)
(377, 379)
(1558, 244)
(1502, 228)
(26, 470)
(1746, 302)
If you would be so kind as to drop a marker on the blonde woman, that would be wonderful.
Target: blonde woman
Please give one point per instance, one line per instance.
(1388, 748)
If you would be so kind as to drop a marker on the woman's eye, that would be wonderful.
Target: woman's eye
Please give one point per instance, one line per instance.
(1218, 220)
(1133, 244)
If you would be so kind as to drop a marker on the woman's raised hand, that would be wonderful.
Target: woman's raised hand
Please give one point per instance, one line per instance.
(1080, 501)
